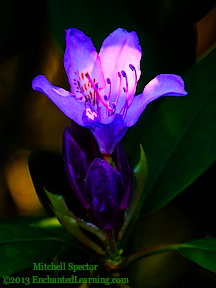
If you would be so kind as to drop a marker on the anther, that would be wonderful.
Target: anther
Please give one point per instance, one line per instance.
(123, 73)
(132, 67)
(134, 88)
(109, 82)
(114, 106)
(125, 89)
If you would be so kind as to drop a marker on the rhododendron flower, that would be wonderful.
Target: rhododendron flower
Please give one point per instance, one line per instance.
(103, 85)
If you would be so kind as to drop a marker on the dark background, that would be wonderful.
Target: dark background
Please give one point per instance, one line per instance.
(173, 35)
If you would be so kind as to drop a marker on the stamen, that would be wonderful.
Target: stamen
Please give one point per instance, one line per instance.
(134, 88)
(126, 80)
(124, 109)
(107, 98)
(86, 100)
(95, 87)
(98, 109)
(119, 89)
(114, 106)
(132, 67)
(109, 82)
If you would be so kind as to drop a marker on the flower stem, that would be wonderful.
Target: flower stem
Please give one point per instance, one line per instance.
(111, 241)
(107, 158)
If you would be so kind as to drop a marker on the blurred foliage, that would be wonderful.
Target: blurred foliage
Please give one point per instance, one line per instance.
(186, 132)
(32, 43)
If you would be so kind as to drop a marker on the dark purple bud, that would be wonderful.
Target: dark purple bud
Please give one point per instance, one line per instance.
(105, 185)
(86, 141)
(76, 165)
(123, 166)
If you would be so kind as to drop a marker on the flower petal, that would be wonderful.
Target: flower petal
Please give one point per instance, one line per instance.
(120, 49)
(80, 58)
(64, 100)
(106, 135)
(161, 85)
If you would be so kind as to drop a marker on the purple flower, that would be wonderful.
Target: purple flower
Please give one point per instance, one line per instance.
(102, 190)
(103, 85)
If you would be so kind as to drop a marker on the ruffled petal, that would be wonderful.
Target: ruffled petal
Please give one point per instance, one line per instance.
(161, 85)
(80, 58)
(118, 51)
(73, 108)
(106, 135)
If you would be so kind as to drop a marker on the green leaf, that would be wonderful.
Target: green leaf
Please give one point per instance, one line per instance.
(21, 246)
(202, 252)
(180, 136)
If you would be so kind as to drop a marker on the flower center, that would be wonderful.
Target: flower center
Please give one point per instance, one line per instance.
(95, 87)
(105, 100)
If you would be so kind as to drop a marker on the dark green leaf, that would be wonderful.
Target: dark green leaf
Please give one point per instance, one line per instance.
(202, 252)
(180, 135)
(21, 246)
(50, 224)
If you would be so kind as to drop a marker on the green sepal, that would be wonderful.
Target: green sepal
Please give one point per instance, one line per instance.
(113, 164)
(72, 223)
(72, 227)
(141, 174)
(59, 205)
